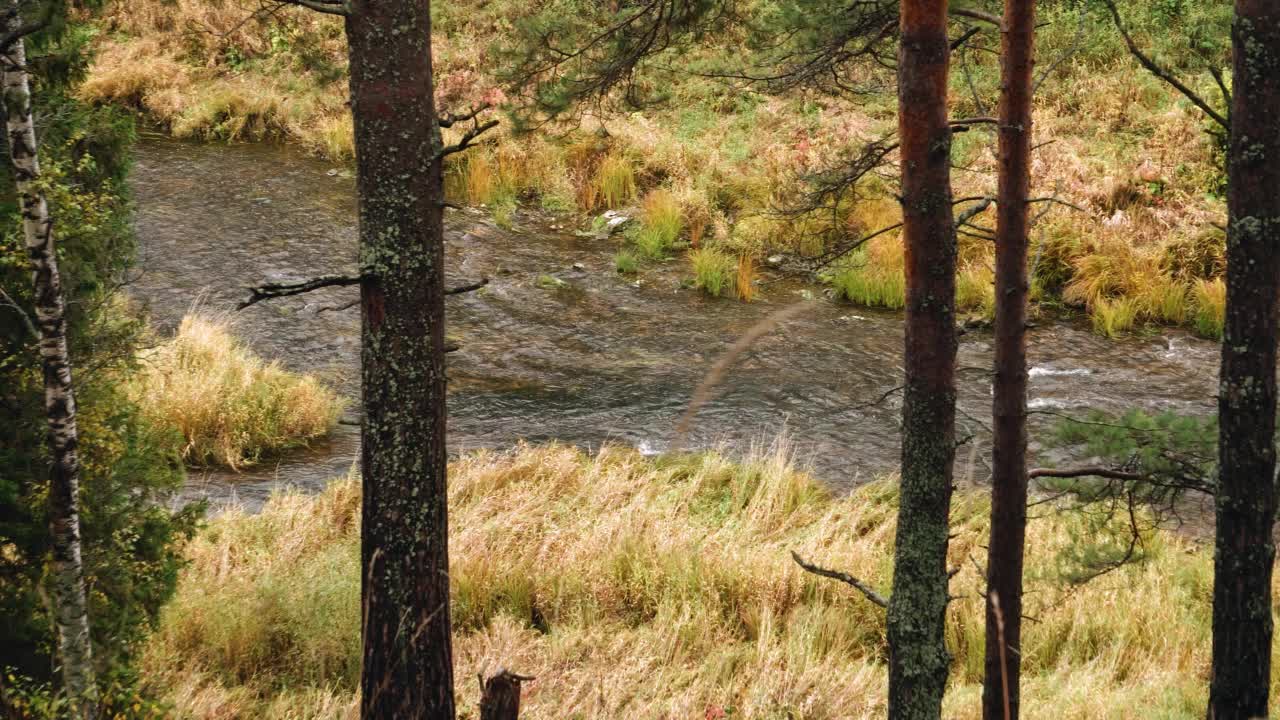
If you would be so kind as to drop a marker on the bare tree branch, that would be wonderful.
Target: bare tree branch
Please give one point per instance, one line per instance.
(866, 590)
(448, 119)
(328, 7)
(1086, 471)
(469, 287)
(468, 139)
(1066, 55)
(22, 313)
(41, 22)
(277, 290)
(1163, 74)
(976, 15)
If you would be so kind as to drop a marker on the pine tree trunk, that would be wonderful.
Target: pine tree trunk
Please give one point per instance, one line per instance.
(67, 581)
(1009, 453)
(1246, 498)
(918, 657)
(408, 667)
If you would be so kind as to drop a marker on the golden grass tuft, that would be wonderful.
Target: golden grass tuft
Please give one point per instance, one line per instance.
(714, 271)
(745, 284)
(230, 406)
(873, 276)
(1211, 307)
(660, 223)
(663, 588)
(1111, 318)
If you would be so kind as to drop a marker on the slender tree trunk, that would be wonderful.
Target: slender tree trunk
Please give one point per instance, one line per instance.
(1246, 498)
(408, 666)
(918, 655)
(1009, 472)
(69, 604)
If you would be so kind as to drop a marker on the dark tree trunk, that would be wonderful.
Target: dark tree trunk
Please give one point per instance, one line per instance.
(500, 696)
(1009, 407)
(408, 665)
(918, 655)
(1246, 498)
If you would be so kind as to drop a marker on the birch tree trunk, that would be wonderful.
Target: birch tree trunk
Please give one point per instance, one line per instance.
(1246, 499)
(1000, 695)
(68, 590)
(407, 662)
(918, 657)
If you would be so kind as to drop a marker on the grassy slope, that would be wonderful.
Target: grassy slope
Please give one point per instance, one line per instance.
(1126, 150)
(663, 588)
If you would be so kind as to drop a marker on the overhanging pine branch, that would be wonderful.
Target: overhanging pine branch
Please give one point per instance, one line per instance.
(843, 577)
(277, 290)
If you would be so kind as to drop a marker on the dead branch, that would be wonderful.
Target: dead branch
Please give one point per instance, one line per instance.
(469, 287)
(468, 139)
(1086, 471)
(328, 7)
(277, 290)
(22, 314)
(27, 28)
(1155, 69)
(976, 15)
(866, 590)
(448, 119)
(1076, 42)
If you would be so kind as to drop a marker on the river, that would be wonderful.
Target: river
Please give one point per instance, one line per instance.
(606, 357)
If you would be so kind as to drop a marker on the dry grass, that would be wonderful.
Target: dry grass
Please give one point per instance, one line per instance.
(230, 406)
(663, 588)
(1211, 307)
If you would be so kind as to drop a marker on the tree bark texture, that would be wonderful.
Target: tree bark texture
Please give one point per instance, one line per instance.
(1246, 497)
(67, 588)
(500, 696)
(918, 657)
(1000, 694)
(407, 663)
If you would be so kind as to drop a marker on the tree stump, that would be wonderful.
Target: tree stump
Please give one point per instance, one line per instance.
(500, 695)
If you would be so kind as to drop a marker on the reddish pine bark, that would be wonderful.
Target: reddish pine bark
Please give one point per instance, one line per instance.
(408, 666)
(1000, 694)
(918, 657)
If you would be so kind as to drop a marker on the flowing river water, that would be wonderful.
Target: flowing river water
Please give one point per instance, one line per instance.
(603, 358)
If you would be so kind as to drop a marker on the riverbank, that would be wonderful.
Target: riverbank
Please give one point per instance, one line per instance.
(603, 358)
(1139, 247)
(663, 587)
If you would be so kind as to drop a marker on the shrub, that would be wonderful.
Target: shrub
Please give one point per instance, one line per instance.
(229, 405)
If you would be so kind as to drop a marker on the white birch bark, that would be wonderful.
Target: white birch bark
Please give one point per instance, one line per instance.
(68, 588)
